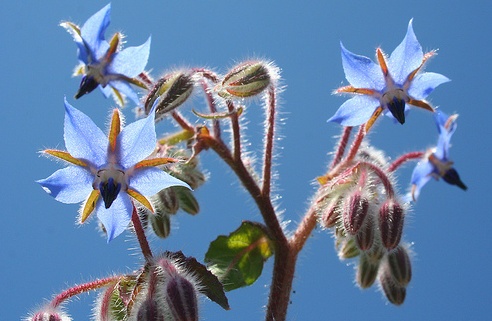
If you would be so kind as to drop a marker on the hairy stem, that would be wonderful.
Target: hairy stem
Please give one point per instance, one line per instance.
(142, 239)
(405, 158)
(342, 144)
(270, 133)
(82, 288)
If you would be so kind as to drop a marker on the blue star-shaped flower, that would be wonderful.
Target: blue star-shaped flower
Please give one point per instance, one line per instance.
(388, 87)
(436, 162)
(112, 170)
(104, 64)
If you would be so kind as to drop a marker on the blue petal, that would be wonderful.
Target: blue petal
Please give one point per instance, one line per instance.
(83, 139)
(420, 176)
(406, 57)
(443, 143)
(150, 180)
(137, 141)
(116, 218)
(425, 83)
(69, 185)
(83, 51)
(93, 32)
(106, 91)
(355, 111)
(124, 88)
(360, 71)
(130, 61)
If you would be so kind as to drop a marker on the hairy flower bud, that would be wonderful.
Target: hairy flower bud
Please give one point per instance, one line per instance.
(365, 236)
(354, 213)
(149, 311)
(347, 248)
(161, 224)
(391, 217)
(394, 292)
(367, 271)
(187, 201)
(172, 90)
(246, 80)
(49, 314)
(182, 299)
(400, 266)
(331, 214)
(166, 201)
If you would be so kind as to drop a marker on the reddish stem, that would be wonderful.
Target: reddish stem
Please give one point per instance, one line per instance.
(405, 158)
(82, 288)
(142, 239)
(342, 144)
(182, 121)
(270, 133)
(236, 132)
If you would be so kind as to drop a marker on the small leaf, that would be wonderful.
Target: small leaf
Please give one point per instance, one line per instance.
(238, 258)
(212, 287)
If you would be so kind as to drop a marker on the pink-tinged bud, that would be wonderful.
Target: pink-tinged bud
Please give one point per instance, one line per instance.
(354, 213)
(172, 90)
(331, 214)
(49, 314)
(149, 311)
(391, 217)
(394, 292)
(181, 297)
(365, 235)
(367, 271)
(400, 266)
(246, 80)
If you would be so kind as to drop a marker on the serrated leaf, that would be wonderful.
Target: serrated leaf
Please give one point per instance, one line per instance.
(212, 287)
(238, 258)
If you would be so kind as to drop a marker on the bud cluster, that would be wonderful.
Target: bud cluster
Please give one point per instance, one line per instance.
(169, 201)
(366, 217)
(49, 313)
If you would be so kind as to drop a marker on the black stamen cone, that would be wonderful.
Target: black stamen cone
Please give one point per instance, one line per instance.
(397, 109)
(452, 177)
(87, 85)
(109, 191)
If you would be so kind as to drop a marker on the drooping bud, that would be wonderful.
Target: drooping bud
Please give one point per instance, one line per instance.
(49, 313)
(400, 266)
(391, 217)
(354, 213)
(149, 311)
(161, 224)
(245, 80)
(172, 90)
(365, 235)
(367, 271)
(179, 292)
(331, 214)
(166, 201)
(394, 292)
(187, 201)
(347, 248)
(182, 299)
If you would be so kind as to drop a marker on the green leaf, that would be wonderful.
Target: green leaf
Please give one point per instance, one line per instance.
(238, 258)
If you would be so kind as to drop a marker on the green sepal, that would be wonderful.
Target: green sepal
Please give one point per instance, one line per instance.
(238, 258)
(187, 202)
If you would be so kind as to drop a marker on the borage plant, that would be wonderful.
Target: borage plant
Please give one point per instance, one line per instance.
(135, 181)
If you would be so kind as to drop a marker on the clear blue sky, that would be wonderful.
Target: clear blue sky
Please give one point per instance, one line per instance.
(42, 251)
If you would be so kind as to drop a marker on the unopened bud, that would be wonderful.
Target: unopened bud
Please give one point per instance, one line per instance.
(181, 297)
(49, 314)
(348, 249)
(187, 201)
(355, 211)
(245, 80)
(391, 217)
(149, 311)
(172, 90)
(161, 224)
(365, 235)
(400, 265)
(166, 201)
(331, 214)
(367, 271)
(394, 292)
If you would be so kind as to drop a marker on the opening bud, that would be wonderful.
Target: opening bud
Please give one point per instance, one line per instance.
(245, 80)
(171, 91)
(391, 217)
(400, 266)
(354, 213)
